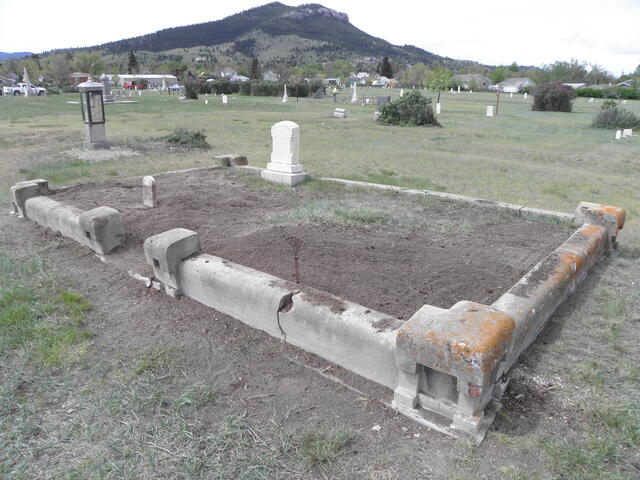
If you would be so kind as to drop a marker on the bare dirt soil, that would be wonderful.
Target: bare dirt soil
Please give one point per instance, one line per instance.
(440, 253)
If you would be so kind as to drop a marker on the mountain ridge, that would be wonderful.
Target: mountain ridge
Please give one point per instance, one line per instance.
(312, 22)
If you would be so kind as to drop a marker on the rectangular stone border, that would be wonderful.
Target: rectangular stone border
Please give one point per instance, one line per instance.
(447, 367)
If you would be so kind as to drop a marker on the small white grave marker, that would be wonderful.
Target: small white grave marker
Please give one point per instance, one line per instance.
(402, 92)
(618, 134)
(591, 100)
(525, 95)
(376, 115)
(489, 110)
(438, 108)
(285, 97)
(225, 100)
(624, 101)
(366, 100)
(285, 166)
(470, 92)
(149, 196)
(340, 113)
(627, 132)
(458, 88)
(206, 102)
(511, 95)
(354, 97)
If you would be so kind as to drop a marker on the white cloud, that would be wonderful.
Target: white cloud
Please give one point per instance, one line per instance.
(605, 33)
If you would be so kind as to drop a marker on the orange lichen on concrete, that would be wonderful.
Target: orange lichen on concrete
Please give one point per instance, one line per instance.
(477, 337)
(618, 212)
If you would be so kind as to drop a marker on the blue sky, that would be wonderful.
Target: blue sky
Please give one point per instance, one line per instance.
(531, 33)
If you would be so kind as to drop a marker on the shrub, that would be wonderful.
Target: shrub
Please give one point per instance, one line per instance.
(623, 93)
(224, 87)
(612, 115)
(188, 138)
(412, 109)
(553, 97)
(191, 89)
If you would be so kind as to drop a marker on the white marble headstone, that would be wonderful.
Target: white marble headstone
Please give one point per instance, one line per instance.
(618, 134)
(284, 166)
(225, 100)
(525, 95)
(627, 132)
(489, 110)
(438, 108)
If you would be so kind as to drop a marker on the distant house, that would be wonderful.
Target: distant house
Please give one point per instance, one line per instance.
(575, 86)
(78, 77)
(200, 60)
(228, 72)
(332, 81)
(270, 76)
(515, 84)
(626, 84)
(362, 75)
(153, 80)
(238, 78)
(472, 81)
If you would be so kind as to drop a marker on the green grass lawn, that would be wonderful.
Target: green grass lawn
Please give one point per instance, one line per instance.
(539, 159)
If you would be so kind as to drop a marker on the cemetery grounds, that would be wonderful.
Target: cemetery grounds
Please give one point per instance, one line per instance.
(100, 379)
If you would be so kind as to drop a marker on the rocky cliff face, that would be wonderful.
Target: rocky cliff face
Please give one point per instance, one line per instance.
(307, 11)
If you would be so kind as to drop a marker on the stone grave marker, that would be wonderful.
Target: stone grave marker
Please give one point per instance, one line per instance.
(489, 110)
(627, 132)
(591, 100)
(225, 100)
(618, 134)
(525, 95)
(438, 108)
(149, 194)
(340, 113)
(285, 166)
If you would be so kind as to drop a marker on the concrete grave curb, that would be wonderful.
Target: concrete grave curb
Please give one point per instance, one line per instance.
(101, 229)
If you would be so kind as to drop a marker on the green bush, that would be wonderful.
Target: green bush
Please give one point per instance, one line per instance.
(223, 87)
(612, 115)
(623, 93)
(191, 89)
(412, 109)
(553, 97)
(188, 138)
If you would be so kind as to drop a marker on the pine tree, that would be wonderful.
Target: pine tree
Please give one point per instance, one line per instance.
(132, 63)
(255, 69)
(384, 68)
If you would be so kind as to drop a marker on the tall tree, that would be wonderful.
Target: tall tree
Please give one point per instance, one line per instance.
(384, 68)
(132, 63)
(89, 62)
(498, 74)
(514, 67)
(254, 74)
(59, 67)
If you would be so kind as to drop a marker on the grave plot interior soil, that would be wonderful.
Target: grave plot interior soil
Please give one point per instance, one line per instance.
(388, 252)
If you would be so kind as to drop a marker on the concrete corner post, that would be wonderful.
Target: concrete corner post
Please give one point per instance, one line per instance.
(610, 218)
(449, 363)
(22, 191)
(149, 193)
(165, 251)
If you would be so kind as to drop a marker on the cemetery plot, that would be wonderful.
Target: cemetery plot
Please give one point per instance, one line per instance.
(386, 252)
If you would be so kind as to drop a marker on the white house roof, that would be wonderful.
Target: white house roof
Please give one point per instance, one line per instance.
(514, 81)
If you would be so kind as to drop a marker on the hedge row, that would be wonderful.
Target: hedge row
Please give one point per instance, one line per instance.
(260, 89)
(624, 93)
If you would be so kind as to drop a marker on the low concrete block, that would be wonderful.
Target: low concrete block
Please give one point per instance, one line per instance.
(101, 229)
(340, 113)
(165, 252)
(149, 191)
(22, 191)
(238, 161)
(343, 332)
(222, 160)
